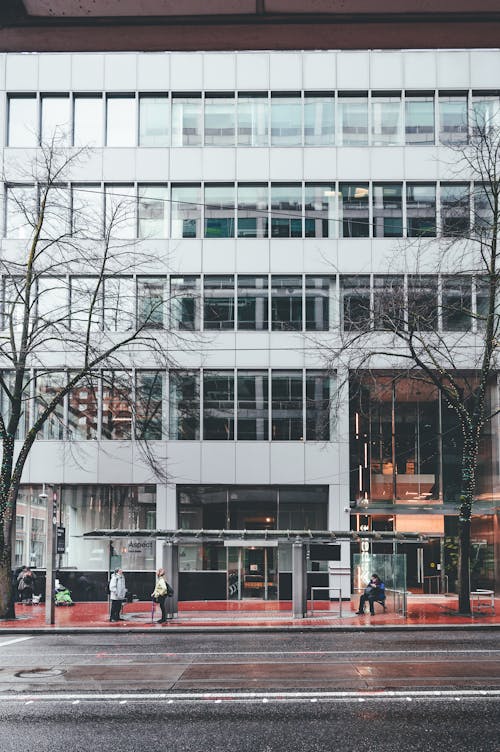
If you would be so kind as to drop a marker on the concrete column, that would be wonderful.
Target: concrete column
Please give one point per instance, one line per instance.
(299, 580)
(170, 563)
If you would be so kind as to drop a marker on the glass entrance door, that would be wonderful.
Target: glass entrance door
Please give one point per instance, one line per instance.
(252, 573)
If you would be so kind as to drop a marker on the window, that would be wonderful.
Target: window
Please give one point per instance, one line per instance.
(151, 302)
(153, 120)
(422, 303)
(220, 120)
(321, 209)
(83, 401)
(354, 210)
(121, 207)
(317, 303)
(453, 119)
(87, 215)
(88, 121)
(286, 119)
(23, 121)
(455, 209)
(419, 119)
(421, 210)
(185, 303)
(386, 120)
(456, 303)
(186, 211)
(219, 211)
(286, 303)
(119, 304)
(186, 120)
(353, 119)
(388, 302)
(253, 303)
(253, 119)
(286, 210)
(55, 121)
(52, 301)
(388, 210)
(253, 406)
(252, 210)
(184, 410)
(121, 121)
(218, 405)
(56, 220)
(218, 302)
(485, 111)
(48, 386)
(153, 211)
(317, 406)
(355, 301)
(21, 211)
(483, 210)
(116, 405)
(287, 406)
(85, 311)
(149, 405)
(13, 302)
(319, 119)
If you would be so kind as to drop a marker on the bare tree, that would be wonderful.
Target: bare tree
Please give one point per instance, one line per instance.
(70, 319)
(451, 347)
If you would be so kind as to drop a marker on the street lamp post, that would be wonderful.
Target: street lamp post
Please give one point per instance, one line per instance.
(50, 572)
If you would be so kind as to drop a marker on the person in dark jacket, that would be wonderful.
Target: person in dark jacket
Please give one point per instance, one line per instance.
(26, 586)
(374, 592)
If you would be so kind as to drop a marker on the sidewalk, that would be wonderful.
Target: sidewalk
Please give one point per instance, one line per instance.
(423, 612)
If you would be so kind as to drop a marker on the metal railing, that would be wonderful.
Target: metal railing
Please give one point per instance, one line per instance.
(329, 589)
(437, 580)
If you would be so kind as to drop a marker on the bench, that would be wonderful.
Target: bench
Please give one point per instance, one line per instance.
(484, 598)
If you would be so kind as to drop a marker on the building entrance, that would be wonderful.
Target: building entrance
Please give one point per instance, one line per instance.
(252, 572)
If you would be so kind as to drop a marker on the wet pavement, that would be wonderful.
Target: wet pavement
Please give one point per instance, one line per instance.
(423, 611)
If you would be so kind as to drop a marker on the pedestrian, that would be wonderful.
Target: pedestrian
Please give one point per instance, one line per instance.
(117, 591)
(25, 586)
(161, 592)
(374, 592)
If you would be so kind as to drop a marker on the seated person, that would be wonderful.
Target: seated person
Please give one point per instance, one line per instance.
(374, 592)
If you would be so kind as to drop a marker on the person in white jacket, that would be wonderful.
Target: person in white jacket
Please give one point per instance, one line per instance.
(117, 591)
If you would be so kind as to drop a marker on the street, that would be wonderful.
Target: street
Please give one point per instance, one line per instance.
(261, 692)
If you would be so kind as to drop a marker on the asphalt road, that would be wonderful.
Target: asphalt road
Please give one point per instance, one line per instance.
(258, 692)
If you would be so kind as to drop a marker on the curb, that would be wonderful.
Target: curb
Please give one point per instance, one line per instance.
(247, 629)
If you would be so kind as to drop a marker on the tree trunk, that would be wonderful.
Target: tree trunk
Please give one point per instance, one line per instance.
(463, 566)
(7, 593)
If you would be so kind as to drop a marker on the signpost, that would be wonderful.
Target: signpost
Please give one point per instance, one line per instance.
(52, 548)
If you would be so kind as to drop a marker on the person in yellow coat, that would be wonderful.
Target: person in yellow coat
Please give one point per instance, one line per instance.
(161, 592)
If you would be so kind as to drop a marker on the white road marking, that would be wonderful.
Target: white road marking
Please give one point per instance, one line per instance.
(262, 697)
(16, 639)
